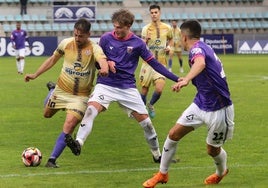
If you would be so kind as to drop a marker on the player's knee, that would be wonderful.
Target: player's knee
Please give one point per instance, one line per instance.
(47, 115)
(213, 151)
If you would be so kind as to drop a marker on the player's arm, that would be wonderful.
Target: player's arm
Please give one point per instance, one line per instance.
(48, 63)
(145, 35)
(27, 40)
(157, 66)
(197, 67)
(12, 39)
(102, 66)
(170, 42)
(101, 60)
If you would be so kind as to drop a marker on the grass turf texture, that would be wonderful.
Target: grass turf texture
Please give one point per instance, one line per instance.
(116, 154)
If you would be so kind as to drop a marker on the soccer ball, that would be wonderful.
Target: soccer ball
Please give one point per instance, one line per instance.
(31, 156)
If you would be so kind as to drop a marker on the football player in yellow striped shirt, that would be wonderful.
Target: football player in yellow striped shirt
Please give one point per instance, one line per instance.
(157, 35)
(74, 82)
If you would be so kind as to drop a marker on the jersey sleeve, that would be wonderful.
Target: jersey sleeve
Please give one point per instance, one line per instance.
(144, 32)
(196, 52)
(170, 33)
(98, 52)
(60, 49)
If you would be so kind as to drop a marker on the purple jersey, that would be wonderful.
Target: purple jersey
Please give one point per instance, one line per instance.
(212, 88)
(125, 53)
(18, 38)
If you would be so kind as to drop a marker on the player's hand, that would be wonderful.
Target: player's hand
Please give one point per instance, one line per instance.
(29, 77)
(112, 66)
(182, 82)
(168, 48)
(104, 71)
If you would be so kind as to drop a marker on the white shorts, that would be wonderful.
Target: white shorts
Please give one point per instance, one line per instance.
(129, 99)
(20, 52)
(220, 123)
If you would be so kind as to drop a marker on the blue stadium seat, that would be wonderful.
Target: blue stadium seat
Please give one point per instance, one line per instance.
(205, 25)
(257, 24)
(110, 26)
(169, 16)
(56, 27)
(243, 15)
(227, 25)
(106, 17)
(39, 27)
(42, 17)
(265, 15)
(95, 27)
(18, 17)
(47, 27)
(35, 17)
(229, 15)
(250, 24)
(236, 15)
(221, 15)
(258, 15)
(64, 27)
(191, 15)
(7, 28)
(213, 25)
(207, 16)
(163, 16)
(177, 16)
(136, 27)
(235, 25)
(103, 27)
(264, 24)
(99, 17)
(26, 18)
(138, 17)
(243, 25)
(220, 25)
(70, 26)
(31, 27)
(2, 18)
(199, 16)
(10, 18)
(184, 16)
(251, 15)
(214, 15)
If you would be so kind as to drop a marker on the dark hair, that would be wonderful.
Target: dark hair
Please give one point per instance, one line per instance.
(124, 17)
(192, 28)
(154, 7)
(82, 25)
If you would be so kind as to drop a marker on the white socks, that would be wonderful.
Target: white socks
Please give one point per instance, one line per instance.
(20, 65)
(151, 137)
(221, 162)
(86, 124)
(169, 150)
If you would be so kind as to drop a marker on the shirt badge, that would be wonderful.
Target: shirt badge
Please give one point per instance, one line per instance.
(129, 49)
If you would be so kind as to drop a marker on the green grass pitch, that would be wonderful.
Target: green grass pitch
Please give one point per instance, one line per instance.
(116, 154)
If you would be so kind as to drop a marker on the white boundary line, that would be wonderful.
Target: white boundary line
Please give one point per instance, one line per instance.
(119, 171)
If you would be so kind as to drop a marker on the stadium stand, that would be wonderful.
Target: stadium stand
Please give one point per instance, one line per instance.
(216, 16)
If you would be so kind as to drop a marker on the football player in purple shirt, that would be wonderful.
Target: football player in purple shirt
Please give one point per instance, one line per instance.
(18, 38)
(123, 49)
(211, 106)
